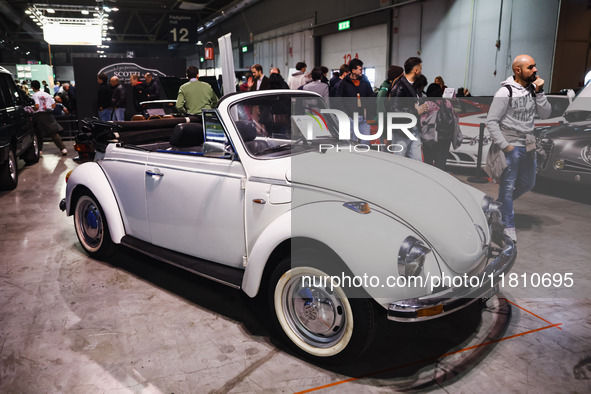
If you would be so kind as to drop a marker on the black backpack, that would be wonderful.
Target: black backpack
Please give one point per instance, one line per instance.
(445, 122)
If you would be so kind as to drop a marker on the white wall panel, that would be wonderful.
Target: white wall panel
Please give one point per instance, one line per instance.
(272, 48)
(369, 43)
(460, 45)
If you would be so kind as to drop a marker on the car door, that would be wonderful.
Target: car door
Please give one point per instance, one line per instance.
(196, 202)
(125, 169)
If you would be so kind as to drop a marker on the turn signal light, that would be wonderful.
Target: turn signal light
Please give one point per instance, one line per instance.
(68, 175)
(358, 206)
(434, 310)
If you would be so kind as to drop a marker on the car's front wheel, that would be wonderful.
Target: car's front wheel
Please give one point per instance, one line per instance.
(319, 319)
(91, 227)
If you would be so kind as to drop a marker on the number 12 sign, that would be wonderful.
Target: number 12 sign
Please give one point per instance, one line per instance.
(182, 28)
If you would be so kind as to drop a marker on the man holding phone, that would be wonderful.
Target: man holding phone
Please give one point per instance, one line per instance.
(510, 122)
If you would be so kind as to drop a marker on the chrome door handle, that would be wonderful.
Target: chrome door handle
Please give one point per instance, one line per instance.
(154, 172)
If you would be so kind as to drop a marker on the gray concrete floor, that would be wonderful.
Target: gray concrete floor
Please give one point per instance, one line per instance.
(71, 324)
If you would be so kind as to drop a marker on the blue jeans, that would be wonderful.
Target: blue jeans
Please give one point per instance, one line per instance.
(411, 149)
(105, 114)
(363, 129)
(518, 178)
(119, 114)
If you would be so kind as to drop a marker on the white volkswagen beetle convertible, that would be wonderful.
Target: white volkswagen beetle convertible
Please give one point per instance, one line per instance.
(334, 234)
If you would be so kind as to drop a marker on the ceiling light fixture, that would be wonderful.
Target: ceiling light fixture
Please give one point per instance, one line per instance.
(50, 10)
(85, 12)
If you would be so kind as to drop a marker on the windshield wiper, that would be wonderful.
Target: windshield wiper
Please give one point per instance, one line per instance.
(275, 148)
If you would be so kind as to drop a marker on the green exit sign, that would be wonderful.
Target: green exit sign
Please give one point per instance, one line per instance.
(344, 25)
(244, 49)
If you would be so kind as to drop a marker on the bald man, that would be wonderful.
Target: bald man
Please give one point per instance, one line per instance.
(118, 99)
(510, 122)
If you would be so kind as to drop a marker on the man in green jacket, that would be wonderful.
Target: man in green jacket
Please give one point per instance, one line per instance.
(195, 95)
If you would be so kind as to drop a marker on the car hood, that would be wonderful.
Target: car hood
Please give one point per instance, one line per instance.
(433, 203)
(570, 131)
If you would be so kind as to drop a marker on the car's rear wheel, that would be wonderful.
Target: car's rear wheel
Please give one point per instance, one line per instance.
(9, 172)
(91, 227)
(321, 321)
(31, 156)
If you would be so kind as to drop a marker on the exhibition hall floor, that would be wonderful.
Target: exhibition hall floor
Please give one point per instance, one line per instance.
(71, 324)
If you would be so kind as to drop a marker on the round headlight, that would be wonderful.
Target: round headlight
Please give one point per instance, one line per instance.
(559, 164)
(411, 257)
(490, 205)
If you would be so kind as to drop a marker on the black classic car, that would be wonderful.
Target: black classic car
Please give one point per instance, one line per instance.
(17, 134)
(568, 145)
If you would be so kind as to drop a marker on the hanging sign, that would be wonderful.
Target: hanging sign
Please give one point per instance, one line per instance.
(209, 51)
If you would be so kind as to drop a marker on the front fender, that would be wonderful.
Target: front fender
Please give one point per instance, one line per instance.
(367, 244)
(91, 176)
(278, 231)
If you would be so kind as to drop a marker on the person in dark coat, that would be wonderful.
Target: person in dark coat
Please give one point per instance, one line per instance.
(139, 90)
(71, 92)
(405, 98)
(259, 81)
(335, 80)
(153, 87)
(118, 100)
(105, 107)
(356, 86)
(276, 81)
(324, 71)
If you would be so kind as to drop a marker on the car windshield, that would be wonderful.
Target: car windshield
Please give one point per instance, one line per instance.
(282, 124)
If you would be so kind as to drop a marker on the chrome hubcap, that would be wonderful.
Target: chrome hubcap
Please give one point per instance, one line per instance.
(315, 313)
(90, 223)
(12, 165)
(36, 146)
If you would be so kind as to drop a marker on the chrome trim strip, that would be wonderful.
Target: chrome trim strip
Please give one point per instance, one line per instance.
(271, 181)
(456, 298)
(184, 169)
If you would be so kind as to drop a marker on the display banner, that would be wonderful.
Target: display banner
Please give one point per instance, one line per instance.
(227, 63)
(87, 69)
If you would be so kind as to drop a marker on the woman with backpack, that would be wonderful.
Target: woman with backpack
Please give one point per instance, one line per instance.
(439, 128)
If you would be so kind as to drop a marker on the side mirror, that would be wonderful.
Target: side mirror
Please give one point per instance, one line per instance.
(218, 149)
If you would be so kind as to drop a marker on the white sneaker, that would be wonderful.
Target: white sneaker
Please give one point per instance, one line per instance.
(64, 152)
(510, 232)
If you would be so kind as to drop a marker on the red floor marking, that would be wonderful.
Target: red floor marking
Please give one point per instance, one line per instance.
(441, 356)
(531, 313)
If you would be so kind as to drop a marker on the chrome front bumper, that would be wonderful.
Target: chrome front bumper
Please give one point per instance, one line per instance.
(456, 298)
